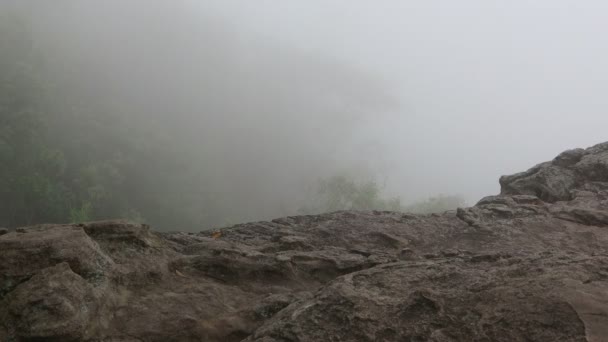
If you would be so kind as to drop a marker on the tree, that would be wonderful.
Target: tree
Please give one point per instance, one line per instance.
(341, 192)
(29, 177)
(436, 204)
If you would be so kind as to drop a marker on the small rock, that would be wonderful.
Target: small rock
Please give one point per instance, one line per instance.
(450, 253)
(406, 254)
(3, 231)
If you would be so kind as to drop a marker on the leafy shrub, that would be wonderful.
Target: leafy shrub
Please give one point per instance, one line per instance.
(81, 214)
(436, 204)
(342, 192)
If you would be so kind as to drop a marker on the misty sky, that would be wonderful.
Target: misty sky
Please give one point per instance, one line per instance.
(433, 97)
(485, 87)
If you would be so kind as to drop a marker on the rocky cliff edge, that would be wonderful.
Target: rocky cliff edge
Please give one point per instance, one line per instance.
(530, 264)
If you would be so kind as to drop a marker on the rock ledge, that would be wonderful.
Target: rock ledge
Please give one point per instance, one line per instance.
(530, 264)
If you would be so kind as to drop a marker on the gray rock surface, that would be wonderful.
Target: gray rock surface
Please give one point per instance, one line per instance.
(530, 264)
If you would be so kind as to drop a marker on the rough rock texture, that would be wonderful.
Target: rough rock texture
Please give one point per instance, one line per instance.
(530, 264)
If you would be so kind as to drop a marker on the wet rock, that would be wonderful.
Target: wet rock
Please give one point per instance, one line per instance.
(24, 254)
(54, 305)
(451, 301)
(122, 232)
(528, 264)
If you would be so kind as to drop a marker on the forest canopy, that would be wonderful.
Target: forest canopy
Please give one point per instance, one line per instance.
(92, 128)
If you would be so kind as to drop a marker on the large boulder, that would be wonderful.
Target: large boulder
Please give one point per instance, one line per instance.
(28, 250)
(555, 180)
(56, 304)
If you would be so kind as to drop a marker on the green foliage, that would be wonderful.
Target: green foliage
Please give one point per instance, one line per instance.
(82, 213)
(134, 216)
(70, 159)
(72, 156)
(31, 190)
(341, 192)
(437, 204)
(36, 183)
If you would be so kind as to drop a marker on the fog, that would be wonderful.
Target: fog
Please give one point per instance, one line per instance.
(260, 99)
(485, 87)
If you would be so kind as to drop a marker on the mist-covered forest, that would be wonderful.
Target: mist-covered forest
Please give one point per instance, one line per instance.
(108, 111)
